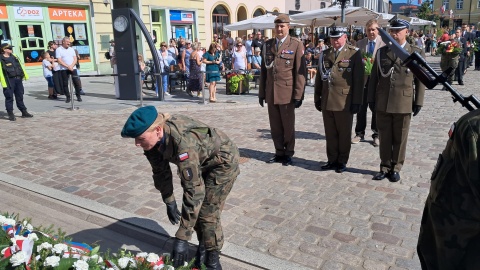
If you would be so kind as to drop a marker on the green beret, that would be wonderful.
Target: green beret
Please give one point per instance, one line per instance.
(139, 121)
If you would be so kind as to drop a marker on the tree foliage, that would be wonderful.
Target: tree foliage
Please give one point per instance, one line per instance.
(426, 12)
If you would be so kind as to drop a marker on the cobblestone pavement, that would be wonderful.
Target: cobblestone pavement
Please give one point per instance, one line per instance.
(319, 219)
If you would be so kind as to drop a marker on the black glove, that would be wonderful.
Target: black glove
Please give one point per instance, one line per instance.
(260, 101)
(371, 105)
(354, 108)
(173, 213)
(318, 105)
(180, 252)
(416, 109)
(298, 103)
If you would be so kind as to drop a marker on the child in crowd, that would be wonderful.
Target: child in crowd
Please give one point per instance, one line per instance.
(47, 65)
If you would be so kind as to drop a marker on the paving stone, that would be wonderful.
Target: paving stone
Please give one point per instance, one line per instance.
(344, 237)
(373, 265)
(381, 227)
(308, 260)
(376, 255)
(408, 263)
(330, 265)
(345, 258)
(258, 245)
(317, 230)
(385, 238)
(281, 252)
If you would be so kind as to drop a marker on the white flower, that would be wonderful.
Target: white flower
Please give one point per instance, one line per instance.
(142, 255)
(25, 222)
(15, 238)
(44, 245)
(29, 227)
(32, 236)
(123, 262)
(2, 219)
(9, 221)
(80, 265)
(152, 258)
(110, 268)
(97, 259)
(52, 261)
(18, 258)
(59, 248)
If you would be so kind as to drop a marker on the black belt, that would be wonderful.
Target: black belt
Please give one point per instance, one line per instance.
(16, 77)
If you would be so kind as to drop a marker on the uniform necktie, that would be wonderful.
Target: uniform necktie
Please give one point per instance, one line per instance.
(371, 47)
(336, 54)
(279, 44)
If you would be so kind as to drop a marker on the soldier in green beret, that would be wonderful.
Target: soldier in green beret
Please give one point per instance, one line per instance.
(207, 163)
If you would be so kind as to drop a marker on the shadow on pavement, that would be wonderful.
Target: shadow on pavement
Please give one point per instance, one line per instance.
(130, 234)
(298, 135)
(311, 165)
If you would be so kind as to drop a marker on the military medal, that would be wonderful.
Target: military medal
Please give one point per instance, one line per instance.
(288, 62)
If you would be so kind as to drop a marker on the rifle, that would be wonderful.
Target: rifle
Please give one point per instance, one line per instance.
(425, 73)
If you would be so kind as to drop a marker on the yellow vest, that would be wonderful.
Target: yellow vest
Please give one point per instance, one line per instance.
(3, 81)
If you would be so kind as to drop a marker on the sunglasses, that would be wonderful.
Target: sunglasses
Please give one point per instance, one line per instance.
(239, 45)
(163, 45)
(215, 36)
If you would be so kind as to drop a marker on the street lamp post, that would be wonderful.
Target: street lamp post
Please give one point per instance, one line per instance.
(343, 4)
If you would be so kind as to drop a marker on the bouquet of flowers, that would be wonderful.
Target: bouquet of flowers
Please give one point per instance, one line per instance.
(450, 48)
(234, 80)
(476, 44)
(367, 60)
(24, 247)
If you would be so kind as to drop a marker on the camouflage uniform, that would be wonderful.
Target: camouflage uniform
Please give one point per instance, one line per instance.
(450, 231)
(207, 163)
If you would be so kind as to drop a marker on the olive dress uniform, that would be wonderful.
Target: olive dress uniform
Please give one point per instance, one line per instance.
(450, 228)
(394, 91)
(339, 85)
(207, 162)
(282, 83)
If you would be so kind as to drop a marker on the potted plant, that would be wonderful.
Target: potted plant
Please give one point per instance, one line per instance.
(238, 83)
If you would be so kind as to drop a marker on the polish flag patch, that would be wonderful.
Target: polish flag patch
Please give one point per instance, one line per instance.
(450, 132)
(183, 156)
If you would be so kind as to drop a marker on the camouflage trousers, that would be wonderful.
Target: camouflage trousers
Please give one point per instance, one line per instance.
(447, 241)
(449, 61)
(218, 184)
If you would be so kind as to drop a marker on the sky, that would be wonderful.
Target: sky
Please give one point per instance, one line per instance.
(415, 2)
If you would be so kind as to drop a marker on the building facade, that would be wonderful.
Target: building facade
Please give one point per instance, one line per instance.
(462, 11)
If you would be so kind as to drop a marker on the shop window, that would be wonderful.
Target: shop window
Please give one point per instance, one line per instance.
(4, 33)
(32, 42)
(78, 34)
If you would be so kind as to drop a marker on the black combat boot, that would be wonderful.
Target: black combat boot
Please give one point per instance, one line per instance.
(200, 256)
(11, 116)
(25, 114)
(79, 98)
(213, 260)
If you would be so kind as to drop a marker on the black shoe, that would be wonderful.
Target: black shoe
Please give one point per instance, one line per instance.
(380, 176)
(25, 114)
(329, 166)
(82, 93)
(460, 83)
(67, 100)
(11, 116)
(79, 98)
(287, 160)
(341, 167)
(50, 97)
(200, 256)
(212, 261)
(275, 159)
(394, 177)
(54, 97)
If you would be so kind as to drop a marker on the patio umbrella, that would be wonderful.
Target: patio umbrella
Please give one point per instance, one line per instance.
(326, 16)
(420, 22)
(261, 22)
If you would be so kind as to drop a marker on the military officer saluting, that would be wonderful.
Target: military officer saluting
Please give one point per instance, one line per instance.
(207, 163)
(338, 95)
(282, 84)
(394, 92)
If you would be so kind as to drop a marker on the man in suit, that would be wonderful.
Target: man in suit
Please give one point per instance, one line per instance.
(338, 95)
(282, 84)
(469, 37)
(368, 46)
(463, 59)
(394, 92)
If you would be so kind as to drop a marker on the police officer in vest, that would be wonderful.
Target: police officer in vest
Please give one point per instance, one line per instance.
(282, 84)
(339, 95)
(394, 93)
(11, 78)
(208, 166)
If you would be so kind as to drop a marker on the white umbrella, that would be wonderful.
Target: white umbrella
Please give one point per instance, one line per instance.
(261, 22)
(418, 21)
(326, 16)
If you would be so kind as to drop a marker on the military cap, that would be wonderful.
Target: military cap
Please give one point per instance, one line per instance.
(336, 31)
(139, 121)
(399, 24)
(6, 46)
(282, 18)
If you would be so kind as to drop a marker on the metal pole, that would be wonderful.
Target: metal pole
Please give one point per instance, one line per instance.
(141, 92)
(343, 4)
(203, 88)
(70, 81)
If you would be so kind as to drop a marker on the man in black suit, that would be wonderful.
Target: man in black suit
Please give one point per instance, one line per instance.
(463, 60)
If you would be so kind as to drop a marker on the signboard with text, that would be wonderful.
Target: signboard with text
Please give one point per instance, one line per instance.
(27, 13)
(180, 16)
(3, 11)
(67, 14)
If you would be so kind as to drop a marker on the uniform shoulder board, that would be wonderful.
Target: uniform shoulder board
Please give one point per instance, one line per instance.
(353, 47)
(296, 39)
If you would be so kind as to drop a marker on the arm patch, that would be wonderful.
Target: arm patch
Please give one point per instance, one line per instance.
(187, 174)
